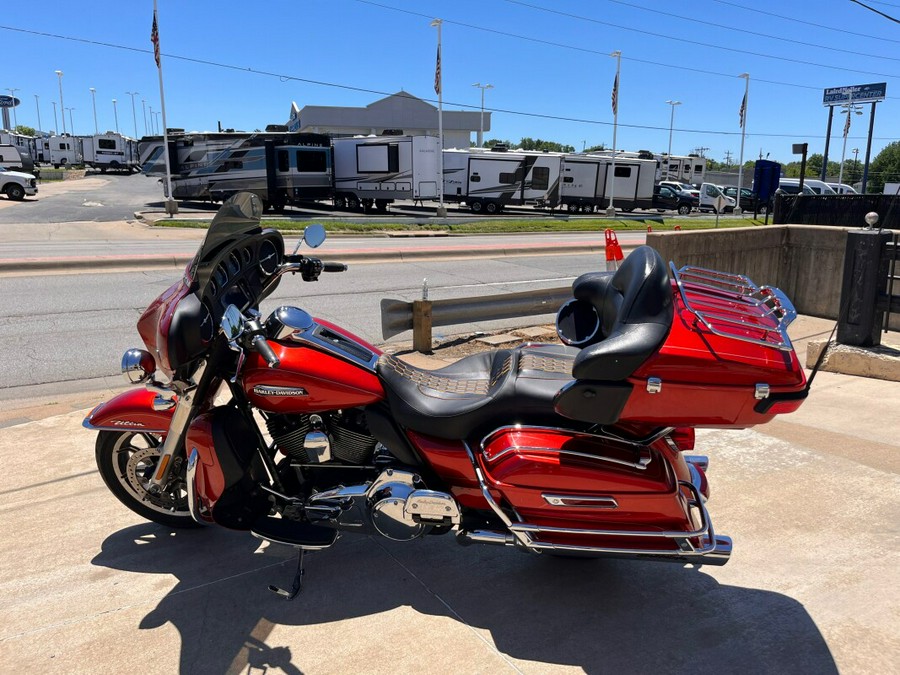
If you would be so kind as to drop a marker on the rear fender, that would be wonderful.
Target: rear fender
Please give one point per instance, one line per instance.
(132, 409)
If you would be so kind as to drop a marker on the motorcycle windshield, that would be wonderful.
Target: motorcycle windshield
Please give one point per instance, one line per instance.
(239, 215)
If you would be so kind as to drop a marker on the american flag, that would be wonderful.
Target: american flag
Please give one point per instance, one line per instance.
(437, 73)
(847, 123)
(615, 96)
(743, 111)
(154, 38)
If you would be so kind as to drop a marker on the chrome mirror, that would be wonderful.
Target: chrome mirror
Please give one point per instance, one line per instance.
(232, 324)
(138, 366)
(314, 235)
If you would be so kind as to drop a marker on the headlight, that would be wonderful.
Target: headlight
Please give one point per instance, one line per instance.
(138, 366)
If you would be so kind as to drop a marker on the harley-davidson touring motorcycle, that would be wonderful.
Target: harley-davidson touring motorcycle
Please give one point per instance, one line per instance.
(295, 430)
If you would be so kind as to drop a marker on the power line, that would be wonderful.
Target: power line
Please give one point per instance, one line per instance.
(842, 31)
(292, 78)
(872, 9)
(745, 31)
(695, 42)
(678, 67)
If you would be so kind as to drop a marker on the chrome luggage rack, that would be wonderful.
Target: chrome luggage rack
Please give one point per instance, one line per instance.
(732, 306)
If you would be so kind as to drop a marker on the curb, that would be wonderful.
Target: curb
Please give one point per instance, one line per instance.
(373, 256)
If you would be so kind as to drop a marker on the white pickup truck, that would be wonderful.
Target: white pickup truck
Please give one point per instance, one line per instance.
(16, 185)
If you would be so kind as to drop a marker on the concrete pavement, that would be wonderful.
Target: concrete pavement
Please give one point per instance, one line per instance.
(812, 501)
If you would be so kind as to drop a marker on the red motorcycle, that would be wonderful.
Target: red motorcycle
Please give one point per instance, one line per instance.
(295, 430)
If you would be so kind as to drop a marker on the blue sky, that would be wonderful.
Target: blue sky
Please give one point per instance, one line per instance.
(548, 62)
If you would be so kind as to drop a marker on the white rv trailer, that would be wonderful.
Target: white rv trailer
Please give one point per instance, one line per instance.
(587, 181)
(376, 170)
(12, 159)
(684, 169)
(490, 179)
(109, 151)
(26, 145)
(59, 150)
(280, 168)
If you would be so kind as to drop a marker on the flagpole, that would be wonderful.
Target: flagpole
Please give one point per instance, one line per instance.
(846, 133)
(611, 209)
(744, 106)
(171, 204)
(439, 85)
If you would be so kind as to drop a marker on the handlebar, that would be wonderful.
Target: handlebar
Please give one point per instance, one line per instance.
(261, 345)
(310, 268)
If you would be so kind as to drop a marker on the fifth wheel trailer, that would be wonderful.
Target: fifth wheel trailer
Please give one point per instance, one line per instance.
(376, 170)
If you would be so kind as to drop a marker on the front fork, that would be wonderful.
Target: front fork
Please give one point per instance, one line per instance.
(186, 409)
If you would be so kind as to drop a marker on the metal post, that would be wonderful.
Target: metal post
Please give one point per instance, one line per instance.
(37, 106)
(133, 113)
(827, 142)
(62, 106)
(144, 110)
(55, 118)
(439, 85)
(865, 177)
(737, 200)
(671, 125)
(12, 93)
(611, 209)
(116, 114)
(481, 131)
(94, 105)
(171, 204)
(71, 121)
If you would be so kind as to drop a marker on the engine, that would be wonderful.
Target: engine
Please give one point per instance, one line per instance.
(396, 505)
(312, 439)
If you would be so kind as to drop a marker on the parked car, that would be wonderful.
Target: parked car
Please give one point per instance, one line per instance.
(16, 185)
(793, 188)
(748, 199)
(842, 189)
(664, 198)
(816, 186)
(682, 187)
(710, 194)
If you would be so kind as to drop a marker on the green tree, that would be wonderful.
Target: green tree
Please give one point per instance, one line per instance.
(491, 142)
(25, 131)
(596, 148)
(885, 168)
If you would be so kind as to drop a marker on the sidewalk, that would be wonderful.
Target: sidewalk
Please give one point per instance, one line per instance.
(812, 501)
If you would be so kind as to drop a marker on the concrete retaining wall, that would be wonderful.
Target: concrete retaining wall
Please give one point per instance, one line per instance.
(805, 261)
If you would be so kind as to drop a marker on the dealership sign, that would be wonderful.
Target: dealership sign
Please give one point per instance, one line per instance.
(9, 101)
(861, 93)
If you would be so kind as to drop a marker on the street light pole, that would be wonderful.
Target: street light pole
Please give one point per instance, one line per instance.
(12, 93)
(71, 122)
(855, 152)
(481, 131)
(94, 104)
(55, 119)
(671, 125)
(439, 90)
(116, 115)
(132, 94)
(62, 106)
(37, 106)
(144, 110)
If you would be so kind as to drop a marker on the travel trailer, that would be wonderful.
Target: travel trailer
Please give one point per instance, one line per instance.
(12, 159)
(489, 180)
(59, 151)
(109, 152)
(587, 183)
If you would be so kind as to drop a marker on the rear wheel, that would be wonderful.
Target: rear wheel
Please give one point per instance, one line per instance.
(491, 207)
(572, 207)
(127, 460)
(476, 206)
(684, 209)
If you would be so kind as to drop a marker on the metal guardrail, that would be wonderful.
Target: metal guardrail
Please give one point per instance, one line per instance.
(421, 315)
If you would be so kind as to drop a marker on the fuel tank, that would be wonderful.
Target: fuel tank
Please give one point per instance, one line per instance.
(321, 367)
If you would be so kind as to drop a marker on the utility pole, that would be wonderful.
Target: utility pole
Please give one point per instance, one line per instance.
(728, 158)
(700, 151)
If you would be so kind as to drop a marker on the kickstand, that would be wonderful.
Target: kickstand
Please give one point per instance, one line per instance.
(297, 586)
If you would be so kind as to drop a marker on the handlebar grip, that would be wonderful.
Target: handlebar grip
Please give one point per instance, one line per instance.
(261, 345)
(333, 267)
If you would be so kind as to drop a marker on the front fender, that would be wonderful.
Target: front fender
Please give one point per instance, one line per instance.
(132, 409)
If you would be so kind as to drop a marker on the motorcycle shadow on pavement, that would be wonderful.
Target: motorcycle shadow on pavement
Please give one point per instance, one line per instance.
(599, 615)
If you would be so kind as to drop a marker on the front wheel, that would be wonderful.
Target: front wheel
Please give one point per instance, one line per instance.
(684, 209)
(127, 461)
(15, 192)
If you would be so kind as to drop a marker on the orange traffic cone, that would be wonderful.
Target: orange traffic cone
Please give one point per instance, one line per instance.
(678, 228)
(649, 228)
(613, 251)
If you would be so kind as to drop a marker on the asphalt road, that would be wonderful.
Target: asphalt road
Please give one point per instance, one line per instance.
(68, 328)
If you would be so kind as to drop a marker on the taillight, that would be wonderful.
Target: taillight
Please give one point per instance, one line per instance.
(683, 438)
